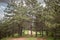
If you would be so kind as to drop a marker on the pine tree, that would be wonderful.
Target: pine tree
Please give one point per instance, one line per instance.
(18, 13)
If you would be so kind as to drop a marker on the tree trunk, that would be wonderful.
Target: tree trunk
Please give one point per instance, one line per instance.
(46, 32)
(20, 30)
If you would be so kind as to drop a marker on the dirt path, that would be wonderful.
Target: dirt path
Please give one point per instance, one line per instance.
(26, 39)
(17, 39)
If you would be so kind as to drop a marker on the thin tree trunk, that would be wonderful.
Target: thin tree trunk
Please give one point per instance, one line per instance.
(36, 33)
(31, 30)
(20, 30)
(47, 32)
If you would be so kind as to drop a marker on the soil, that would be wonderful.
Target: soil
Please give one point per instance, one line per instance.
(23, 38)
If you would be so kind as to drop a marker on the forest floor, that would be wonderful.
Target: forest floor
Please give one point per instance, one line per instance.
(27, 37)
(24, 38)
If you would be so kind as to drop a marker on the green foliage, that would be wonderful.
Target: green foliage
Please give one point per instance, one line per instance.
(31, 38)
(43, 17)
(55, 8)
(50, 38)
(16, 35)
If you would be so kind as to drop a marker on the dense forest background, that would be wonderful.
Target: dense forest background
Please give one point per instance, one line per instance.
(26, 13)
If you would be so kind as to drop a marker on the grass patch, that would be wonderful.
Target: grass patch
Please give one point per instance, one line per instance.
(31, 38)
(5, 38)
(16, 35)
(50, 38)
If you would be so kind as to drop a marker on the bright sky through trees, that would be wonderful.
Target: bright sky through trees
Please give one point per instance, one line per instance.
(3, 6)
